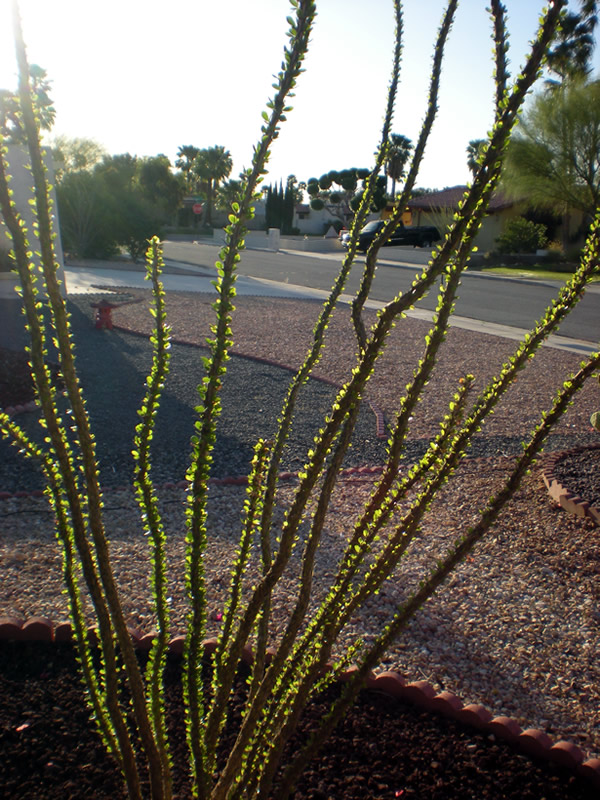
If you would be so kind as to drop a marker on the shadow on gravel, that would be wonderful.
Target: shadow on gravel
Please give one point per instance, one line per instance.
(113, 366)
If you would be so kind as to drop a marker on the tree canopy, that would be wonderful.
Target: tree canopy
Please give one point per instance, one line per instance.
(571, 51)
(212, 165)
(73, 154)
(279, 205)
(186, 155)
(553, 160)
(339, 192)
(122, 202)
(158, 183)
(11, 124)
(399, 150)
(474, 151)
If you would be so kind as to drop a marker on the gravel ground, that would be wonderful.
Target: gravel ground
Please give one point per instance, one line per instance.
(382, 749)
(517, 627)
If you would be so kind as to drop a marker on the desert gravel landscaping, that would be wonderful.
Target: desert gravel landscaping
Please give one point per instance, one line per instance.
(517, 628)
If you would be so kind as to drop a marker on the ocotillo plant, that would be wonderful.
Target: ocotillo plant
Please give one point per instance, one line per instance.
(279, 686)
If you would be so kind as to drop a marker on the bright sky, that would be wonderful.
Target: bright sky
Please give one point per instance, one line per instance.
(145, 77)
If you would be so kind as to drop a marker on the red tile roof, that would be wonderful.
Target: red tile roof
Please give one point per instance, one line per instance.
(451, 197)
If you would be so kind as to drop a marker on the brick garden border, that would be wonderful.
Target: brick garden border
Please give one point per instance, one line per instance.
(531, 742)
(563, 496)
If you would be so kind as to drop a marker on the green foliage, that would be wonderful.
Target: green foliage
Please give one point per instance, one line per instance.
(341, 193)
(86, 220)
(186, 155)
(74, 155)
(211, 166)
(134, 221)
(277, 691)
(11, 117)
(121, 203)
(553, 159)
(522, 236)
(475, 150)
(158, 185)
(227, 193)
(571, 52)
(399, 150)
(279, 207)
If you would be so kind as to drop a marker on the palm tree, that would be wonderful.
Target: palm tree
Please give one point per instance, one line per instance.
(186, 156)
(212, 165)
(11, 121)
(227, 193)
(399, 150)
(572, 48)
(474, 151)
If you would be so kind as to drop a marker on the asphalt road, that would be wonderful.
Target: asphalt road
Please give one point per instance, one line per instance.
(514, 302)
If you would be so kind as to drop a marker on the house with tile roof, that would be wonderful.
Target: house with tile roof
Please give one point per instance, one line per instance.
(438, 208)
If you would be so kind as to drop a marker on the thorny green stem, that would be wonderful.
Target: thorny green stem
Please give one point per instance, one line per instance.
(358, 222)
(289, 639)
(65, 535)
(59, 445)
(428, 587)
(500, 37)
(409, 525)
(316, 348)
(373, 252)
(252, 769)
(474, 203)
(311, 360)
(277, 697)
(147, 501)
(203, 735)
(85, 439)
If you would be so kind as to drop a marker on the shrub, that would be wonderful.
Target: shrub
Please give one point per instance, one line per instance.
(278, 688)
(522, 236)
(336, 224)
(86, 219)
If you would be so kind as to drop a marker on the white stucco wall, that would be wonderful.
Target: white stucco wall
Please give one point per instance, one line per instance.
(315, 224)
(21, 184)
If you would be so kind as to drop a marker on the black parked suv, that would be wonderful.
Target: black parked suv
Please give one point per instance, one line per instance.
(418, 236)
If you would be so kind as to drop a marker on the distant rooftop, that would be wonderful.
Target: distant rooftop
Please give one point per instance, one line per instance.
(451, 197)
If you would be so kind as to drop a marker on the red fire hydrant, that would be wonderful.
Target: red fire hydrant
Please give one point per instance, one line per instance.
(103, 314)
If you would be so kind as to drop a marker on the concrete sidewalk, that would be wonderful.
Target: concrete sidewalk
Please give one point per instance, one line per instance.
(106, 276)
(82, 278)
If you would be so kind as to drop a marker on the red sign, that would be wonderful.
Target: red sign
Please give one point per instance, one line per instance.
(197, 208)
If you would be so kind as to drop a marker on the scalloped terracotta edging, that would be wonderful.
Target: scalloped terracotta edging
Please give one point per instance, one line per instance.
(572, 503)
(379, 421)
(531, 742)
(21, 408)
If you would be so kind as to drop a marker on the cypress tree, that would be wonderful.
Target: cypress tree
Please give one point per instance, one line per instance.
(288, 209)
(269, 208)
(280, 209)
